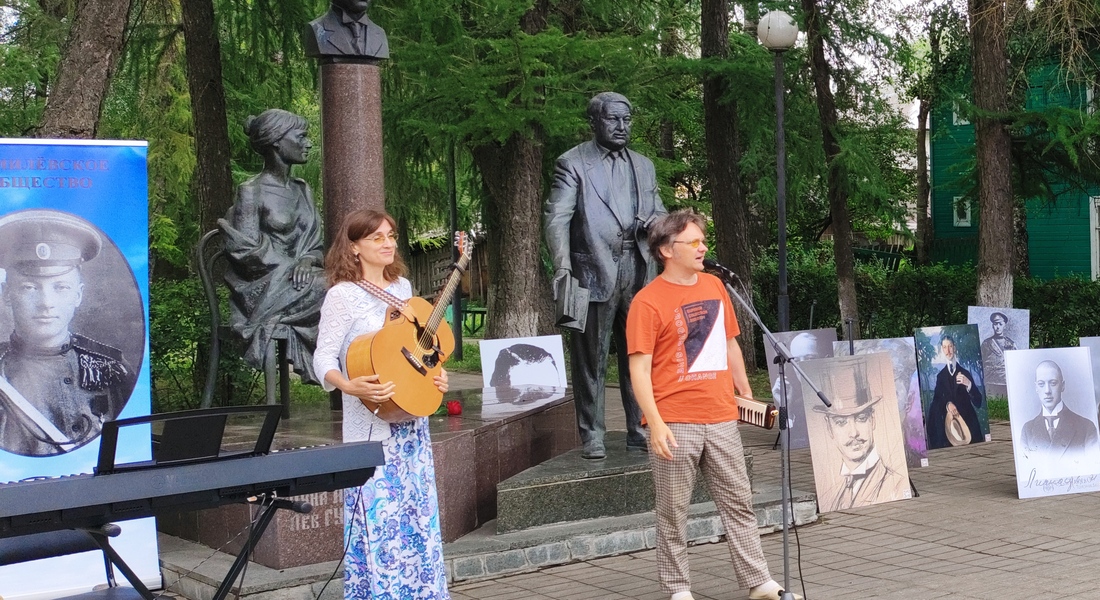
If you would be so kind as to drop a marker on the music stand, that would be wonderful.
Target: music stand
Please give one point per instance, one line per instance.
(186, 437)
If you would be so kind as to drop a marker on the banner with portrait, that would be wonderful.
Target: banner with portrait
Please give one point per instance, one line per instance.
(1052, 409)
(74, 343)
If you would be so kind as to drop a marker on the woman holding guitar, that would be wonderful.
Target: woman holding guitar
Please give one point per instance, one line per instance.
(391, 524)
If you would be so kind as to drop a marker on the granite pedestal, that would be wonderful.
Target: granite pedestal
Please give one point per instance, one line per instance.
(351, 138)
(491, 440)
(571, 488)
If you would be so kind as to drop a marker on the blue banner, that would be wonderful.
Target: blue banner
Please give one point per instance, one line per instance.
(74, 330)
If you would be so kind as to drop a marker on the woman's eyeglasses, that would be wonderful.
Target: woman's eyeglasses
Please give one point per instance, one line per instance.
(380, 238)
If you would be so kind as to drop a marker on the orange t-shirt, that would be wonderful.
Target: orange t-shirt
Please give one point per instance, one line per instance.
(686, 328)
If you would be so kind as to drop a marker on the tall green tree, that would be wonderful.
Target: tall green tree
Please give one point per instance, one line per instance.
(839, 216)
(723, 135)
(213, 179)
(87, 66)
(994, 153)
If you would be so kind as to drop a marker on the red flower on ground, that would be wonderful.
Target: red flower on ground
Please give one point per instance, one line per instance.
(454, 407)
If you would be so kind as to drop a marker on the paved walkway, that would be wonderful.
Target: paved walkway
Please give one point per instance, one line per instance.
(967, 536)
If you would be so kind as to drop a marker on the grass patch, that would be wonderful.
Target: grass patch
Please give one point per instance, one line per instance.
(998, 408)
(471, 360)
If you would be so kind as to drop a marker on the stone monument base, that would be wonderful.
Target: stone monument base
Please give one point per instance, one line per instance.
(492, 440)
(571, 488)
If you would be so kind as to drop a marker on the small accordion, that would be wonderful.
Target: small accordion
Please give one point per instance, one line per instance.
(755, 412)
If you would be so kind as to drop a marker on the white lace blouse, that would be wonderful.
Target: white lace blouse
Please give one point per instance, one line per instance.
(348, 312)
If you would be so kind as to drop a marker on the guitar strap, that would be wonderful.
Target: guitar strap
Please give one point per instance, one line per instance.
(382, 295)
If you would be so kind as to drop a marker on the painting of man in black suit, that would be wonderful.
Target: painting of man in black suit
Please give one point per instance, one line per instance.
(602, 198)
(346, 30)
(952, 418)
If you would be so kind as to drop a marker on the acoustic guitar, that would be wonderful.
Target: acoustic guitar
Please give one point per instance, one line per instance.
(410, 349)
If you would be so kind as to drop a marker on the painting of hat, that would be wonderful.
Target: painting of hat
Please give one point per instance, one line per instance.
(958, 432)
(847, 387)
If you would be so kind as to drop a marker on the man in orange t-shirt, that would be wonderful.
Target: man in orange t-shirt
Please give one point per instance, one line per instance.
(684, 365)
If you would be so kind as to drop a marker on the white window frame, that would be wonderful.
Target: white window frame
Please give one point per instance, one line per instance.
(1094, 230)
(960, 221)
(956, 116)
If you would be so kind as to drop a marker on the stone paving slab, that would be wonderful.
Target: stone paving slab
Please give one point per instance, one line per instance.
(966, 536)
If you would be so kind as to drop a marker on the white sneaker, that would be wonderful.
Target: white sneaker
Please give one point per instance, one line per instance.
(769, 591)
(682, 596)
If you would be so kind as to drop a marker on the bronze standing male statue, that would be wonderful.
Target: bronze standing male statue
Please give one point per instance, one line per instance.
(602, 198)
(346, 30)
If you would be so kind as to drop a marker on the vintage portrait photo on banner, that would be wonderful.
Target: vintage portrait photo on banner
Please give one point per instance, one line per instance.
(1055, 440)
(1000, 329)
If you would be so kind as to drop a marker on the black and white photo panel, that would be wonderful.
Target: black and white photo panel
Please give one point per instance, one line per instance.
(804, 345)
(1055, 440)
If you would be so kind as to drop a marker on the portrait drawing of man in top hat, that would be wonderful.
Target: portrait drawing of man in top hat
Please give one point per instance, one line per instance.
(864, 476)
(57, 388)
(346, 30)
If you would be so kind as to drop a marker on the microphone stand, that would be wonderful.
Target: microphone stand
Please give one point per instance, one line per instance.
(782, 358)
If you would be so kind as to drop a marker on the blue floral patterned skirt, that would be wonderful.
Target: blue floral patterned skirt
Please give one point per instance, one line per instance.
(396, 549)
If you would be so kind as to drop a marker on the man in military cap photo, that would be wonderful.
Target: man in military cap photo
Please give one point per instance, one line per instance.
(993, 355)
(57, 388)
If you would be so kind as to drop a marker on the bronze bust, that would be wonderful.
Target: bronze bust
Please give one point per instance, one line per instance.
(345, 31)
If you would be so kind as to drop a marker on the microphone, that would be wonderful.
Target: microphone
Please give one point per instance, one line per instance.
(723, 273)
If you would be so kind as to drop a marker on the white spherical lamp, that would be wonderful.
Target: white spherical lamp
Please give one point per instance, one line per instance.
(777, 31)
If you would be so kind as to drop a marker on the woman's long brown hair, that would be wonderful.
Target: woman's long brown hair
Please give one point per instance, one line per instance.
(340, 263)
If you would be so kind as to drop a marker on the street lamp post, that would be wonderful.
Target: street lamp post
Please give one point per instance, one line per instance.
(778, 32)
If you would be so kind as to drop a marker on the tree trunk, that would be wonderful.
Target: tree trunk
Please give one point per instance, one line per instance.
(924, 188)
(993, 149)
(212, 181)
(722, 135)
(520, 302)
(519, 290)
(84, 74)
(837, 188)
(670, 47)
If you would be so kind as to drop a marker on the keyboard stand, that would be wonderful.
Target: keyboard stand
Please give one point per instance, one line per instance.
(255, 532)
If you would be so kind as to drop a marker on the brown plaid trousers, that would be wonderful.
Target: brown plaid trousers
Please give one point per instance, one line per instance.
(715, 449)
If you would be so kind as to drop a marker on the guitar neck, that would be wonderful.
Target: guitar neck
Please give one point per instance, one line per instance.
(443, 300)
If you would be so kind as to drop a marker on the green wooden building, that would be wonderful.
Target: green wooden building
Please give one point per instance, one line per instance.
(1063, 235)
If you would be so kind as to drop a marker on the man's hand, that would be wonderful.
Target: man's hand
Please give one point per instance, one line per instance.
(558, 277)
(951, 410)
(647, 223)
(661, 440)
(963, 380)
